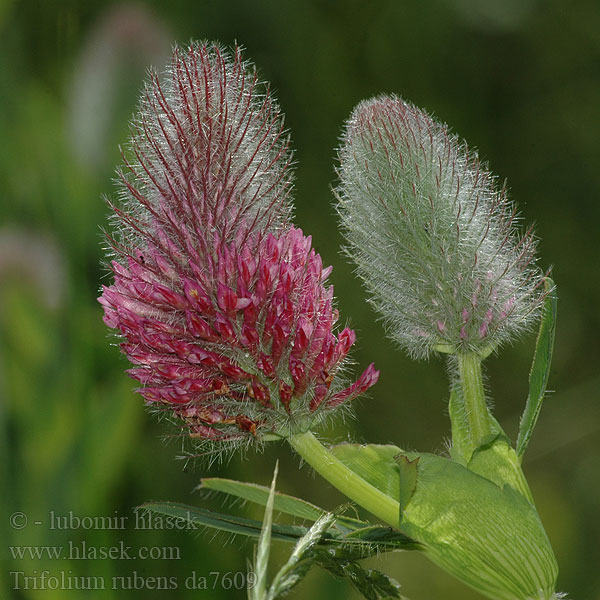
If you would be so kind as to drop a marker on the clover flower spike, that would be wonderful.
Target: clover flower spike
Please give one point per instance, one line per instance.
(222, 304)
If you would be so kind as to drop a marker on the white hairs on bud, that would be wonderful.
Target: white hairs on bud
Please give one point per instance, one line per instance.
(432, 235)
(208, 152)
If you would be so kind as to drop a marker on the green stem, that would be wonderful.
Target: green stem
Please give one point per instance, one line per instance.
(478, 416)
(344, 479)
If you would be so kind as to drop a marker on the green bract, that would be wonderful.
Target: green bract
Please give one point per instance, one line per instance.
(485, 533)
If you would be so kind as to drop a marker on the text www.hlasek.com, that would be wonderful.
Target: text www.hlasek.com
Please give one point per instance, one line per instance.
(82, 551)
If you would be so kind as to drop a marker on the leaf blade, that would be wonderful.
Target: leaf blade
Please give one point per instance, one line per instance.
(540, 368)
(284, 503)
(261, 564)
(201, 517)
(375, 463)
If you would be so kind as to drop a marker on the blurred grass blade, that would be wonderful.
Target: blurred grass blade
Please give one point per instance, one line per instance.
(259, 591)
(283, 503)
(540, 369)
(200, 517)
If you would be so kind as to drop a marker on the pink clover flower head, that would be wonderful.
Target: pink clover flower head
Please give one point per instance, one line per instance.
(434, 239)
(222, 305)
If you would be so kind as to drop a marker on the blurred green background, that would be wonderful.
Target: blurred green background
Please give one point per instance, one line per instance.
(519, 79)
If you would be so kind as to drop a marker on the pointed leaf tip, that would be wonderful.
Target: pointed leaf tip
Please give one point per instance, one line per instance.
(408, 479)
(540, 368)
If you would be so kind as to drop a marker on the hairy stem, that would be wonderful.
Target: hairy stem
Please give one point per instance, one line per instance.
(476, 411)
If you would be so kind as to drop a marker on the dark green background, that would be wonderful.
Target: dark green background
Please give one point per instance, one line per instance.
(519, 79)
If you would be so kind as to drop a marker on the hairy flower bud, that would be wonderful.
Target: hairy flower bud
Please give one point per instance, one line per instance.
(433, 237)
(222, 303)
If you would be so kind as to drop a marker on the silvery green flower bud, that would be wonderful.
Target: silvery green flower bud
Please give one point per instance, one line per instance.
(433, 236)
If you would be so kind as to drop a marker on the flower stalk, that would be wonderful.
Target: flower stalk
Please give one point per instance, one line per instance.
(473, 394)
(344, 479)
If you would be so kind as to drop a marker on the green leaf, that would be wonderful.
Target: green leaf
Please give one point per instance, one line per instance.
(341, 561)
(261, 564)
(199, 517)
(386, 467)
(366, 540)
(540, 369)
(302, 558)
(375, 463)
(289, 505)
(498, 462)
(408, 480)
(375, 539)
(487, 536)
(321, 545)
(372, 584)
